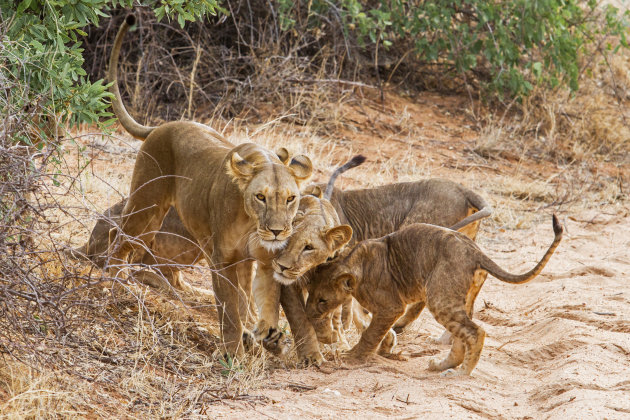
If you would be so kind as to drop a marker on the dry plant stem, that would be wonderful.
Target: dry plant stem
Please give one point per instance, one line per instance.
(192, 79)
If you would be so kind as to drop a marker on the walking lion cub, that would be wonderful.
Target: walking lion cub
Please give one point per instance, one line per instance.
(420, 263)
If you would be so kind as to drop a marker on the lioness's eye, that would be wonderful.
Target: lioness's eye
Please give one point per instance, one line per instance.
(322, 301)
(308, 248)
(260, 197)
(290, 199)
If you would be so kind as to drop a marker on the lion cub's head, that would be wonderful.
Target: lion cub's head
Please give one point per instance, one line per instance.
(317, 236)
(270, 188)
(330, 284)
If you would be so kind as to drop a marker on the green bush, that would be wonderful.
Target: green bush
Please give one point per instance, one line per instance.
(41, 55)
(507, 45)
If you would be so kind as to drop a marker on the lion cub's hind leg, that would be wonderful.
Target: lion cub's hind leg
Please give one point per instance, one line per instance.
(451, 307)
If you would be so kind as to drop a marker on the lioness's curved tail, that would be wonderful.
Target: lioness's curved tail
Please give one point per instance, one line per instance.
(492, 268)
(476, 201)
(132, 126)
(352, 163)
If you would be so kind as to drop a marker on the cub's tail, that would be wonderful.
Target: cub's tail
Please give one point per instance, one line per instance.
(492, 268)
(352, 163)
(132, 126)
(477, 202)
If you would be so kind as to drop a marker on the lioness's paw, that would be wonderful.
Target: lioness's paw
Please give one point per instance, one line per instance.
(261, 330)
(276, 343)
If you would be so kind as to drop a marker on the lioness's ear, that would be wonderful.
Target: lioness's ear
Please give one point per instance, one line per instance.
(339, 236)
(240, 169)
(347, 282)
(301, 167)
(283, 155)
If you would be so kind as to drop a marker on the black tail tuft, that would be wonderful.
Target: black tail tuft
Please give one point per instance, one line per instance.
(557, 227)
(130, 19)
(356, 160)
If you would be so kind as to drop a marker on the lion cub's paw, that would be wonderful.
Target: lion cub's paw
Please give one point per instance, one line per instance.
(248, 340)
(435, 365)
(314, 358)
(276, 343)
(396, 356)
(341, 345)
(354, 358)
(453, 373)
(444, 339)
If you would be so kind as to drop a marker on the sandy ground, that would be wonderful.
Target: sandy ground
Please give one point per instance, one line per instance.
(557, 347)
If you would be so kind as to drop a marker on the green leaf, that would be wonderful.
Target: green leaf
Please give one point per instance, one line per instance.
(537, 69)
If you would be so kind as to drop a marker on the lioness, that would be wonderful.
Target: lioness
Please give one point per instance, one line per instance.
(172, 248)
(420, 263)
(375, 212)
(222, 193)
(319, 234)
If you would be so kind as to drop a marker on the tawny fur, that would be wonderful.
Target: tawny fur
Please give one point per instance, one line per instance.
(173, 247)
(378, 211)
(225, 195)
(419, 264)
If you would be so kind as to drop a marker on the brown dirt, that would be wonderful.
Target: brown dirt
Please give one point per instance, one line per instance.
(557, 347)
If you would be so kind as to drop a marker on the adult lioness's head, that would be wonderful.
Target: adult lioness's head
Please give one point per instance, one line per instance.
(317, 236)
(270, 188)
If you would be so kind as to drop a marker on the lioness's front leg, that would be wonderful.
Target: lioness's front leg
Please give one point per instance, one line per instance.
(247, 310)
(267, 296)
(226, 290)
(301, 327)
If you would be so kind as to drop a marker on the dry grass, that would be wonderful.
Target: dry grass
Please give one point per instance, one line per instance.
(591, 123)
(141, 354)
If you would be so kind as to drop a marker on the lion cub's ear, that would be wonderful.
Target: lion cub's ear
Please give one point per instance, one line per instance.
(283, 155)
(301, 167)
(347, 282)
(338, 236)
(299, 218)
(314, 190)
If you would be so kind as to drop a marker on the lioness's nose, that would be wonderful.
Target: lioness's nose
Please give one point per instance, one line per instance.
(276, 232)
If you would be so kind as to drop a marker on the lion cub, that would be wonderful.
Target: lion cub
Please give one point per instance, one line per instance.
(420, 263)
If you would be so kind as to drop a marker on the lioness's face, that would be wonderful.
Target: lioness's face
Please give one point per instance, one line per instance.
(313, 240)
(330, 286)
(271, 199)
(270, 192)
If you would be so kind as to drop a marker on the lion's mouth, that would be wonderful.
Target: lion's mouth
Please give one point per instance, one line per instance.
(282, 279)
(273, 245)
